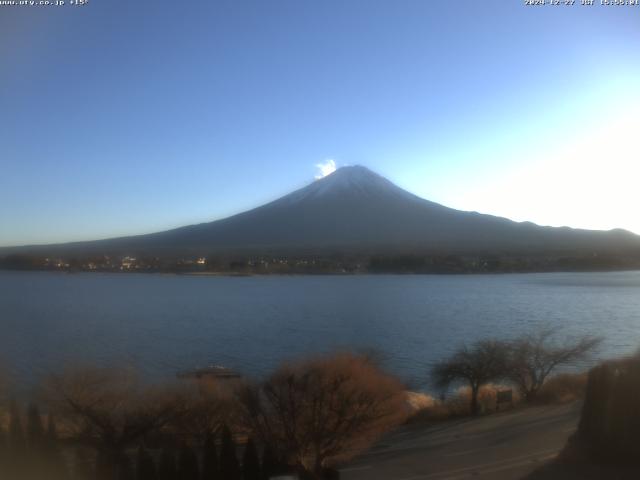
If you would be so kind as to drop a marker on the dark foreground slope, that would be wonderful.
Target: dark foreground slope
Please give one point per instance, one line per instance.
(354, 209)
(503, 446)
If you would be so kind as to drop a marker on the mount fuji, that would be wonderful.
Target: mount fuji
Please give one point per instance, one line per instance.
(355, 209)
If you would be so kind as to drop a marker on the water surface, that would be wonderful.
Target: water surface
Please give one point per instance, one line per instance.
(165, 323)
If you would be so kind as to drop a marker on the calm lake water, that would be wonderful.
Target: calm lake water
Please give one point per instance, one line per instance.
(161, 324)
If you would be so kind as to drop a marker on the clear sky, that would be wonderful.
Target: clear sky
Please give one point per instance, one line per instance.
(123, 117)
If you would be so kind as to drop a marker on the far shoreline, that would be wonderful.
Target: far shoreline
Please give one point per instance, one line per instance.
(230, 274)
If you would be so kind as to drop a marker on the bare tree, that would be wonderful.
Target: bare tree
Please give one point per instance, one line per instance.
(483, 362)
(533, 357)
(322, 410)
(109, 410)
(208, 406)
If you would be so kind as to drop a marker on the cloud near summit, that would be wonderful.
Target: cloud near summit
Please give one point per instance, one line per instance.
(325, 168)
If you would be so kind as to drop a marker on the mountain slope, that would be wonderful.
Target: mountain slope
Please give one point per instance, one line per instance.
(354, 208)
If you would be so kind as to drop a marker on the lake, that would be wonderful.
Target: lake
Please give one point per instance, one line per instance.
(161, 324)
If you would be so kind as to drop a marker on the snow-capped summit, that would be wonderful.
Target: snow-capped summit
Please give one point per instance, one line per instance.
(351, 181)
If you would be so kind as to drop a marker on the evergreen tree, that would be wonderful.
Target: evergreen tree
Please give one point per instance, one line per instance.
(250, 462)
(103, 470)
(229, 468)
(210, 468)
(331, 474)
(146, 467)
(35, 429)
(3, 452)
(188, 464)
(51, 436)
(270, 464)
(167, 466)
(125, 469)
(16, 434)
(82, 466)
(111, 465)
(55, 462)
(16, 463)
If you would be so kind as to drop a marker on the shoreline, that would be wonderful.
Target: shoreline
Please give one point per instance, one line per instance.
(322, 274)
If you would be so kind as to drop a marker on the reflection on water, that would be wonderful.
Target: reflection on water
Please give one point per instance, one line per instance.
(165, 323)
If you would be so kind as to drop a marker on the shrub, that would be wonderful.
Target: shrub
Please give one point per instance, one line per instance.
(111, 410)
(458, 405)
(323, 410)
(563, 388)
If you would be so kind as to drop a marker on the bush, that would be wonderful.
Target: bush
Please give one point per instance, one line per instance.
(563, 388)
(458, 405)
(319, 411)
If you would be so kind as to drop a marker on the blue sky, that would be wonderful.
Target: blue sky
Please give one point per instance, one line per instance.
(124, 117)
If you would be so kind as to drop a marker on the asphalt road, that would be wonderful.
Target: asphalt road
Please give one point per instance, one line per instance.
(502, 446)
